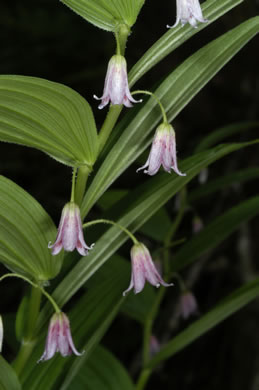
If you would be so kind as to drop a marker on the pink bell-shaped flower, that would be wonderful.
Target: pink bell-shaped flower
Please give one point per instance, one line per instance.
(188, 304)
(163, 152)
(142, 269)
(70, 232)
(116, 87)
(59, 338)
(188, 11)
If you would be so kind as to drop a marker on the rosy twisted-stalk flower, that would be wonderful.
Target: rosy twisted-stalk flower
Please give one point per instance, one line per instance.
(70, 232)
(59, 338)
(1, 333)
(163, 152)
(188, 304)
(188, 11)
(142, 269)
(154, 346)
(116, 86)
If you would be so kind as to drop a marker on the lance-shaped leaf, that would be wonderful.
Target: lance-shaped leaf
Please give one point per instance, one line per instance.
(174, 37)
(176, 91)
(215, 232)
(224, 309)
(138, 206)
(107, 14)
(47, 116)
(8, 377)
(102, 371)
(25, 230)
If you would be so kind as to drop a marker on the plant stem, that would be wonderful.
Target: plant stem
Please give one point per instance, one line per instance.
(107, 221)
(34, 308)
(147, 332)
(82, 176)
(156, 98)
(108, 125)
(143, 378)
(121, 36)
(28, 340)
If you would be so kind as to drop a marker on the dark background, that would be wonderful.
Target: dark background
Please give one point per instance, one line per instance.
(46, 39)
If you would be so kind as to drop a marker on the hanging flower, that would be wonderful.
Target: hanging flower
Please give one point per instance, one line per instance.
(59, 338)
(142, 269)
(188, 11)
(70, 232)
(116, 87)
(154, 346)
(188, 304)
(163, 151)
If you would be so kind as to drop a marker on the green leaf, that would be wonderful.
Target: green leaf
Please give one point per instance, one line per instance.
(25, 230)
(21, 317)
(102, 371)
(157, 226)
(223, 182)
(139, 206)
(173, 38)
(228, 306)
(215, 232)
(48, 116)
(175, 93)
(107, 14)
(8, 378)
(95, 310)
(111, 197)
(221, 134)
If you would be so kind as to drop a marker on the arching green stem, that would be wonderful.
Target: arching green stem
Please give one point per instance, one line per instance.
(29, 340)
(36, 286)
(107, 221)
(156, 98)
